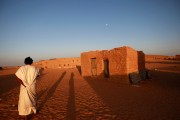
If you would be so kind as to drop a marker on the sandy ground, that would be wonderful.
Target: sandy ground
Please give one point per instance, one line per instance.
(62, 94)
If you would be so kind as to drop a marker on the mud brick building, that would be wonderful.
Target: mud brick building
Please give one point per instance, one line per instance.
(59, 63)
(115, 64)
(159, 57)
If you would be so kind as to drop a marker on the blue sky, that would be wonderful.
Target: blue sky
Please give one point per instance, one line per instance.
(45, 29)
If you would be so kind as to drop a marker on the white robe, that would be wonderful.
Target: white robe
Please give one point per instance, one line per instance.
(27, 96)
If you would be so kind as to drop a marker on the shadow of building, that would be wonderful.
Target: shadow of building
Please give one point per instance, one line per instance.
(71, 100)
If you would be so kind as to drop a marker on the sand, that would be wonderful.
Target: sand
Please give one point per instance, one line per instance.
(62, 94)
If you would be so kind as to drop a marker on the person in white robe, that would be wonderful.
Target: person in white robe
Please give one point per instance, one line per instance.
(26, 75)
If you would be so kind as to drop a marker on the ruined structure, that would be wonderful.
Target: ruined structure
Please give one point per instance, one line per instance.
(158, 57)
(58, 63)
(177, 57)
(115, 65)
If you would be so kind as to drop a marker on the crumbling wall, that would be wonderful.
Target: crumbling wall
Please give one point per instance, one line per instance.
(129, 61)
(136, 65)
(86, 62)
(121, 62)
(68, 62)
(101, 56)
(117, 61)
(132, 60)
(158, 57)
(86, 66)
(141, 60)
(59, 63)
(177, 57)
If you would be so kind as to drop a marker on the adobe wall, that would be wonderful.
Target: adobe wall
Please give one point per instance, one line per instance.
(118, 67)
(86, 62)
(59, 63)
(141, 60)
(177, 57)
(132, 60)
(122, 61)
(117, 61)
(158, 57)
(116, 57)
(101, 55)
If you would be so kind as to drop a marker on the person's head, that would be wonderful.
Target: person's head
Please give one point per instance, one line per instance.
(28, 61)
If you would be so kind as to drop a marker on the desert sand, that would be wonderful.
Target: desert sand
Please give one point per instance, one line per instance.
(62, 94)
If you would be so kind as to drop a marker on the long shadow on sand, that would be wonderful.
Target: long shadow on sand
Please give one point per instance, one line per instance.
(7, 83)
(50, 92)
(42, 74)
(113, 95)
(155, 98)
(168, 80)
(71, 101)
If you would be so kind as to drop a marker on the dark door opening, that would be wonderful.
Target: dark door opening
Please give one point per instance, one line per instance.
(106, 68)
(93, 67)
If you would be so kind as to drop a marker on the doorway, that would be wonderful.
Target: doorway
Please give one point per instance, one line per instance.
(93, 67)
(106, 68)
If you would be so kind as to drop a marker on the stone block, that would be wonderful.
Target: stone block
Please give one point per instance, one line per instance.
(135, 77)
(143, 74)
